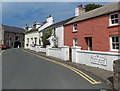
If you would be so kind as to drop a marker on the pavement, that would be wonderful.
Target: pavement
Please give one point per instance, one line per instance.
(23, 69)
(104, 75)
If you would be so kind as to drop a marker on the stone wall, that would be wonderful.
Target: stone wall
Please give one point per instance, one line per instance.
(10, 39)
(116, 77)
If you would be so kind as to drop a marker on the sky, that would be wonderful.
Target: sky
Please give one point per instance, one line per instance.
(21, 13)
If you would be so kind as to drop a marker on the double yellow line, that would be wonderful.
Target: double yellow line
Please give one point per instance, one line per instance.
(77, 71)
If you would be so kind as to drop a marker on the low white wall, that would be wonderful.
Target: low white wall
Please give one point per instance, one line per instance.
(98, 59)
(33, 48)
(40, 49)
(62, 53)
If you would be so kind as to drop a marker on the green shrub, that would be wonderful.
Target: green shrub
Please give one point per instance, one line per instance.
(46, 34)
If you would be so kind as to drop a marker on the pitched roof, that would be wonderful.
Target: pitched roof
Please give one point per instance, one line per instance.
(34, 30)
(12, 29)
(59, 23)
(115, 6)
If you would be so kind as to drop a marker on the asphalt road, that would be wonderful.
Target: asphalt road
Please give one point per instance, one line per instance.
(24, 71)
(0, 69)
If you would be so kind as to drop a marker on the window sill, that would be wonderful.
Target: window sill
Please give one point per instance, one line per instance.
(74, 31)
(112, 50)
(111, 26)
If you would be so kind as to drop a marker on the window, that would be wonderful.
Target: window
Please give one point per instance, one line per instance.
(35, 40)
(75, 41)
(75, 27)
(115, 43)
(32, 41)
(27, 41)
(113, 19)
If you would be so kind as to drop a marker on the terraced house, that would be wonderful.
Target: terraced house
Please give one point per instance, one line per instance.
(96, 30)
(33, 33)
(94, 36)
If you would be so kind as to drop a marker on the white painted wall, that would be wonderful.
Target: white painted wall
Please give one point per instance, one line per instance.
(103, 60)
(61, 53)
(40, 49)
(59, 31)
(31, 35)
(40, 35)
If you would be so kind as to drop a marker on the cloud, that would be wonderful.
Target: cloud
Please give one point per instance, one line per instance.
(21, 13)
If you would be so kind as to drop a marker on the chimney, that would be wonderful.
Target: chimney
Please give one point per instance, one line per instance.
(50, 19)
(79, 10)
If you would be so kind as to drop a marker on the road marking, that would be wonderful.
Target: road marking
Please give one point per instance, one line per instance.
(77, 71)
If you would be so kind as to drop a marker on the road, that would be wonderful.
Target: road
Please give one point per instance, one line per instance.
(0, 69)
(25, 71)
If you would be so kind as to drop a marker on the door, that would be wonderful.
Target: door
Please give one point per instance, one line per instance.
(90, 43)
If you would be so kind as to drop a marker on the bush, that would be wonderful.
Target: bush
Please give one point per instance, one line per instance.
(46, 35)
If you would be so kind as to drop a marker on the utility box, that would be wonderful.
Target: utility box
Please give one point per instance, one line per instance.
(116, 76)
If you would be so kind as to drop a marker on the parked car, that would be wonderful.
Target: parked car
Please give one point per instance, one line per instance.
(4, 47)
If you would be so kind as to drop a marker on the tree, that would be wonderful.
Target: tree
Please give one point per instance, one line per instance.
(46, 35)
(89, 7)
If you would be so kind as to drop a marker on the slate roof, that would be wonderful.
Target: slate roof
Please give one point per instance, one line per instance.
(59, 23)
(113, 7)
(12, 29)
(34, 30)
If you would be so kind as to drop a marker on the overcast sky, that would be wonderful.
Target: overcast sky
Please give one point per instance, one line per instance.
(21, 13)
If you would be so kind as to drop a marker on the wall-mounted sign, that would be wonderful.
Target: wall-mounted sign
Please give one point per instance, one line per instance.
(98, 59)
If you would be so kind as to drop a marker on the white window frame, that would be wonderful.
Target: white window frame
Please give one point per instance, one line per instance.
(111, 46)
(110, 23)
(74, 42)
(74, 30)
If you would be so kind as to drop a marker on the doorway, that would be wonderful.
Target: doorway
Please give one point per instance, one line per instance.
(17, 44)
(89, 40)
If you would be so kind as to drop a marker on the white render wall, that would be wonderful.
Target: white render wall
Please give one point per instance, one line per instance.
(61, 53)
(103, 60)
(31, 35)
(59, 31)
(40, 49)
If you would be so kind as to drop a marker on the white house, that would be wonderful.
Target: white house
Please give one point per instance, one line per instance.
(32, 35)
(57, 37)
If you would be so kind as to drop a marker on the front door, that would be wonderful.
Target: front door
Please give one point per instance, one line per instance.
(90, 43)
